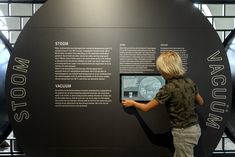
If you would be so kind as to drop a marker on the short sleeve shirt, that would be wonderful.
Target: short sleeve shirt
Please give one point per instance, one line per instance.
(178, 95)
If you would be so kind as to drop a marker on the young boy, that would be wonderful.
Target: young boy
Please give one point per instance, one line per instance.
(179, 96)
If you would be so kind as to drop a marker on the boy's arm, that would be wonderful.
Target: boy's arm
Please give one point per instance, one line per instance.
(198, 99)
(143, 107)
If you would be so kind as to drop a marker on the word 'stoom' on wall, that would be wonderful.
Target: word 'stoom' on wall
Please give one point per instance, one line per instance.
(18, 92)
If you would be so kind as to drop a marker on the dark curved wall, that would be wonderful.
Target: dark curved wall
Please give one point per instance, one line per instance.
(54, 66)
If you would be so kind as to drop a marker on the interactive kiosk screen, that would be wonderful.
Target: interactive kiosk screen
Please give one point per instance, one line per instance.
(140, 87)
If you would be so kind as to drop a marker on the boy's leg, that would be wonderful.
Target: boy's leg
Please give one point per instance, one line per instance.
(185, 140)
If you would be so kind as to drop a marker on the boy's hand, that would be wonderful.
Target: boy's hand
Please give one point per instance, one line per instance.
(128, 103)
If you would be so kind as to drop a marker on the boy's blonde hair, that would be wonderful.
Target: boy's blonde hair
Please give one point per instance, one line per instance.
(169, 63)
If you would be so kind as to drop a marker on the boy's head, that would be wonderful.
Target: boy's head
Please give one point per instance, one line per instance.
(169, 64)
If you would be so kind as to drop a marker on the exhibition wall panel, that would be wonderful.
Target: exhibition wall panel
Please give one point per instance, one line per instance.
(17, 18)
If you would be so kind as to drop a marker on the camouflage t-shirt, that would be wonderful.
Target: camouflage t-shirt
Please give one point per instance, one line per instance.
(178, 95)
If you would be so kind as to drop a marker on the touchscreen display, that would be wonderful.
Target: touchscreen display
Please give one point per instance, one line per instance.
(140, 87)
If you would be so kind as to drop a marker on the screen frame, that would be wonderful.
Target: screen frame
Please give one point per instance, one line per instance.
(137, 74)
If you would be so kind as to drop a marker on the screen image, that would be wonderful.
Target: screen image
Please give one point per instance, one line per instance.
(140, 87)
